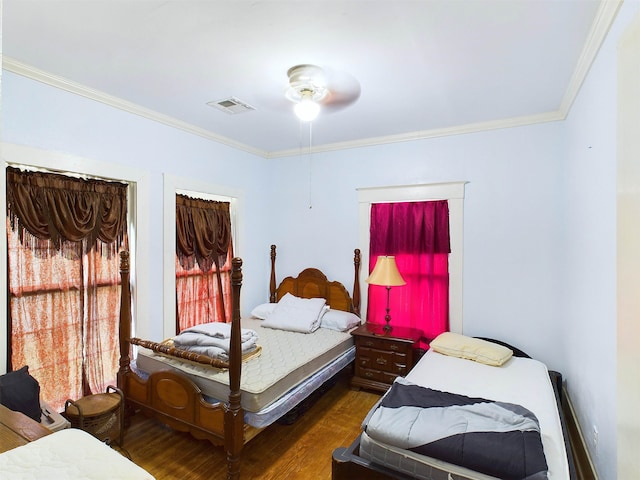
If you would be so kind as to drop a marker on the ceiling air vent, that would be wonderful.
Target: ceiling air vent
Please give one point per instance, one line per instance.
(231, 105)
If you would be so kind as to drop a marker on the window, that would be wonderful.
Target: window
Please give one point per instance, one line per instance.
(204, 250)
(63, 281)
(452, 192)
(177, 185)
(138, 230)
(417, 235)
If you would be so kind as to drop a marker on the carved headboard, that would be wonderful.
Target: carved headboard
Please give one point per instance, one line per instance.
(312, 283)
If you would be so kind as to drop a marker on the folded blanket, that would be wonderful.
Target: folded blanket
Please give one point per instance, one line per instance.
(213, 340)
(213, 329)
(217, 330)
(217, 352)
(297, 314)
(252, 351)
(498, 439)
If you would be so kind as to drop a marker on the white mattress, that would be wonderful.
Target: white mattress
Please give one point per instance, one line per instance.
(69, 454)
(522, 381)
(287, 358)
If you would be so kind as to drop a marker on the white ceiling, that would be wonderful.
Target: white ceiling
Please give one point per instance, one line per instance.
(425, 68)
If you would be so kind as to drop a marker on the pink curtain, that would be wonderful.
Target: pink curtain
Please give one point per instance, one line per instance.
(198, 295)
(417, 233)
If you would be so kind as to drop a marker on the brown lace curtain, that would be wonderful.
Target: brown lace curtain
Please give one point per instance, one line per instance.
(203, 232)
(54, 212)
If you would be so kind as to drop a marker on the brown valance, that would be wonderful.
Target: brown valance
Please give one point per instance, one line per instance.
(55, 209)
(203, 232)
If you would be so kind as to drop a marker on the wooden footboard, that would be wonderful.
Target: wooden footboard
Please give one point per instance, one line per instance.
(175, 400)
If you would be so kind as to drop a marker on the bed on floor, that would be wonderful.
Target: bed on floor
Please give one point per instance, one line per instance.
(464, 413)
(31, 451)
(229, 401)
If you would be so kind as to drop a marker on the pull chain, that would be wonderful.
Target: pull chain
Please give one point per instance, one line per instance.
(310, 165)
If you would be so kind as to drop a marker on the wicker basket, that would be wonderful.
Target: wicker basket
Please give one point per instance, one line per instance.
(102, 415)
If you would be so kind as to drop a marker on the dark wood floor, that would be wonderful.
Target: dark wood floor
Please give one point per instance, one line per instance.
(299, 451)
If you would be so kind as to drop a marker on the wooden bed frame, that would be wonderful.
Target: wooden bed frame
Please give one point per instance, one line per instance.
(175, 400)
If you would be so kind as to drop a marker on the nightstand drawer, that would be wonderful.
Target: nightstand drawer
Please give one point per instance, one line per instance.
(375, 375)
(383, 344)
(382, 360)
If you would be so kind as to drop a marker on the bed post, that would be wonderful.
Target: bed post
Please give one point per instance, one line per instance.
(356, 281)
(233, 414)
(125, 320)
(272, 281)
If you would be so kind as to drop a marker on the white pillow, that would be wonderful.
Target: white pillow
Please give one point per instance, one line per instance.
(263, 310)
(339, 320)
(456, 345)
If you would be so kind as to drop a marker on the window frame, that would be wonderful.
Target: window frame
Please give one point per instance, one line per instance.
(139, 187)
(453, 192)
(173, 185)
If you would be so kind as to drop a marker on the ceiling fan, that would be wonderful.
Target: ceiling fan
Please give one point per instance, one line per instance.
(314, 88)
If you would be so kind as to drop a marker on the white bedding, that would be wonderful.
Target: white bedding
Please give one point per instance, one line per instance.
(522, 381)
(69, 454)
(286, 359)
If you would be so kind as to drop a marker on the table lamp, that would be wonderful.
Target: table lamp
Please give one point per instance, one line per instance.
(386, 274)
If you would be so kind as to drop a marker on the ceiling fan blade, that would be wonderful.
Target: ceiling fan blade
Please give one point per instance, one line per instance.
(344, 90)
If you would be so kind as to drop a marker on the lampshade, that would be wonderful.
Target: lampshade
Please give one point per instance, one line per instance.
(307, 109)
(386, 273)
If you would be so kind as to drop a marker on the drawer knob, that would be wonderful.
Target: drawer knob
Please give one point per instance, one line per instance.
(394, 347)
(368, 343)
(368, 374)
(381, 361)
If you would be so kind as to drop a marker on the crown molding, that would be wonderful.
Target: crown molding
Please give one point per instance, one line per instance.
(607, 11)
(426, 134)
(33, 73)
(603, 20)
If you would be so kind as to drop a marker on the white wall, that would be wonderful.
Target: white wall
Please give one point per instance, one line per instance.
(512, 235)
(590, 179)
(53, 120)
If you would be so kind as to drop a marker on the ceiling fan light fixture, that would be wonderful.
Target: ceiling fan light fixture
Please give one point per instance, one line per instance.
(307, 109)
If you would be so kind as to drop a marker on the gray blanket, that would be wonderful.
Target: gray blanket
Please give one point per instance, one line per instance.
(495, 438)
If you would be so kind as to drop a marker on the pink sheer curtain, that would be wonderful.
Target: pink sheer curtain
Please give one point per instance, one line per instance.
(198, 295)
(417, 233)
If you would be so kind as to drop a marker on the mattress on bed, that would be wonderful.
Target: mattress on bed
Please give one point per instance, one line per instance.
(287, 358)
(521, 381)
(69, 454)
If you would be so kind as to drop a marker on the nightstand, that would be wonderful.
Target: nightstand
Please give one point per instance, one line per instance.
(382, 356)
